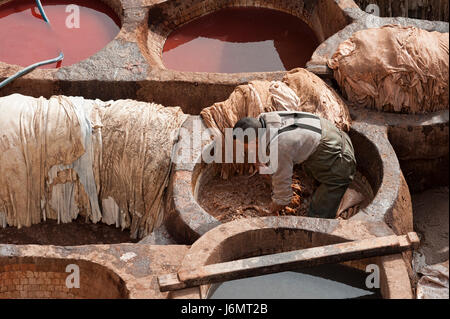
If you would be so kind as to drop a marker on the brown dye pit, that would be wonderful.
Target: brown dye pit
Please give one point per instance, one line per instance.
(247, 196)
(75, 233)
(237, 40)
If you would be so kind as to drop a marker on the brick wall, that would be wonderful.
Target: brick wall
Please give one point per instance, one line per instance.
(46, 278)
(23, 281)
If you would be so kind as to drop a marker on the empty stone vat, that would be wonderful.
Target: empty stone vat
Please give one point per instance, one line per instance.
(40, 277)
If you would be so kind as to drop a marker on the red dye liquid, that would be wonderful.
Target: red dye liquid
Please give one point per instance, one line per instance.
(240, 40)
(25, 38)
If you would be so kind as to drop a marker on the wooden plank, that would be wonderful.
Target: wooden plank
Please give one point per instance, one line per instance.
(292, 260)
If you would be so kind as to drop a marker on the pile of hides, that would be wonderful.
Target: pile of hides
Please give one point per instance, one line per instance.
(67, 156)
(434, 283)
(394, 69)
(300, 90)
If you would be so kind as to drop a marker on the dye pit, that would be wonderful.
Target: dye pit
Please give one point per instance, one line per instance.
(26, 38)
(321, 282)
(237, 40)
(245, 196)
(75, 233)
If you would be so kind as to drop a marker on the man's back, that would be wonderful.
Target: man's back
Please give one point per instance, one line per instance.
(325, 151)
(298, 133)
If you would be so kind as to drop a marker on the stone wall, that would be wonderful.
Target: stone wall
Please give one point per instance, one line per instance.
(418, 9)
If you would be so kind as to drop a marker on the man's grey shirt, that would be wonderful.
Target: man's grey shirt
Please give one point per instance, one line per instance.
(294, 147)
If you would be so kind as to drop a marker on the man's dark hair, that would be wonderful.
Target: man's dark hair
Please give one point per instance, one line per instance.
(247, 123)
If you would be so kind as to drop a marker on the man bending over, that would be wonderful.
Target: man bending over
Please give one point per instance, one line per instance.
(325, 151)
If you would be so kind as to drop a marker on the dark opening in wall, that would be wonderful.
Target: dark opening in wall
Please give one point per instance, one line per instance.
(419, 9)
(75, 233)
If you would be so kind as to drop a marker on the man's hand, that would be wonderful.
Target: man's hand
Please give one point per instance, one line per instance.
(275, 208)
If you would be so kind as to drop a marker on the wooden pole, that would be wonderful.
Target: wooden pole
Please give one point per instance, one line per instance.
(292, 260)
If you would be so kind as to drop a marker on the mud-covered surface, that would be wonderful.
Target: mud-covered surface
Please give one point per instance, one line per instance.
(431, 210)
(250, 196)
(244, 196)
(75, 233)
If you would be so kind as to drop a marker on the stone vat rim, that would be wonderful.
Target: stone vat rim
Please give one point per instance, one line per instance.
(189, 215)
(204, 248)
(346, 8)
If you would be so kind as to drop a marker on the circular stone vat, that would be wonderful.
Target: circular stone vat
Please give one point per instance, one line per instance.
(75, 233)
(235, 40)
(40, 277)
(322, 282)
(246, 238)
(420, 143)
(86, 27)
(391, 202)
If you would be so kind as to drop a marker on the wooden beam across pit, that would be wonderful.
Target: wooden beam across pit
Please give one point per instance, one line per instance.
(287, 261)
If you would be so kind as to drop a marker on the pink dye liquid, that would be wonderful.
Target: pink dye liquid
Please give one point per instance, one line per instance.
(25, 38)
(240, 40)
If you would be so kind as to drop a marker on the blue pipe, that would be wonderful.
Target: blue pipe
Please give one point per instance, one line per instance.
(41, 11)
(31, 68)
(35, 65)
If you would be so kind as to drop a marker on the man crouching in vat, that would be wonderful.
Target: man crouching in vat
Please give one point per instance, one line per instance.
(325, 151)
